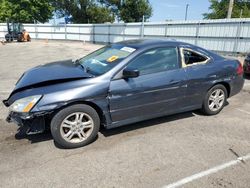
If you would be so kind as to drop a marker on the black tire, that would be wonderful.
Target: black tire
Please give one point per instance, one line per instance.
(57, 120)
(205, 106)
(246, 75)
(19, 38)
(7, 38)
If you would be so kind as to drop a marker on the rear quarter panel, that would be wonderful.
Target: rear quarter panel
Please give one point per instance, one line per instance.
(228, 74)
(202, 77)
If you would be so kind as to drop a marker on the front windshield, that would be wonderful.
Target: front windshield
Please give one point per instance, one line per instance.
(104, 59)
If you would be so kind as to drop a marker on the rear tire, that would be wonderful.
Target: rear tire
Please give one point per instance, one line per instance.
(7, 38)
(214, 100)
(246, 75)
(75, 126)
(19, 38)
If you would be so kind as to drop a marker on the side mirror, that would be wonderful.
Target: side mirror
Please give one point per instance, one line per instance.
(130, 73)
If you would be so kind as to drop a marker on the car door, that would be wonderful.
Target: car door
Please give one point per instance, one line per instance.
(200, 72)
(159, 89)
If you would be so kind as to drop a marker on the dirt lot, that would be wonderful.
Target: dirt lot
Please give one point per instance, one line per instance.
(154, 153)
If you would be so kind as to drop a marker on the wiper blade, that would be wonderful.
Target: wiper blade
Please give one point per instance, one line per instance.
(83, 67)
(88, 69)
(77, 61)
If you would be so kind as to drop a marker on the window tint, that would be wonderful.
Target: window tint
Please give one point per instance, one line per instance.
(192, 57)
(156, 60)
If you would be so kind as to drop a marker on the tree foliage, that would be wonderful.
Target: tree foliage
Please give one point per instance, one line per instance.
(83, 11)
(134, 10)
(26, 11)
(130, 10)
(113, 5)
(219, 9)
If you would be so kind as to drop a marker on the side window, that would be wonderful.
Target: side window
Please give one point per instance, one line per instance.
(191, 57)
(156, 60)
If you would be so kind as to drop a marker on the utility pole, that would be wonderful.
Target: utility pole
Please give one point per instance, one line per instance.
(230, 9)
(241, 13)
(187, 5)
(121, 4)
(142, 26)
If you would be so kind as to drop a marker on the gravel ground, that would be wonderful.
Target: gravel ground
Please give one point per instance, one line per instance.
(148, 154)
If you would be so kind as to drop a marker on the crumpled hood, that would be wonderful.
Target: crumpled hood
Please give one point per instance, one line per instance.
(51, 73)
(46, 75)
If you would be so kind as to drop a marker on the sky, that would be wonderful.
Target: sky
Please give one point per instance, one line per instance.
(175, 9)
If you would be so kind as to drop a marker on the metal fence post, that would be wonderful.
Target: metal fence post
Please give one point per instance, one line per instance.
(79, 30)
(197, 33)
(65, 30)
(237, 37)
(36, 33)
(125, 26)
(166, 30)
(94, 33)
(109, 34)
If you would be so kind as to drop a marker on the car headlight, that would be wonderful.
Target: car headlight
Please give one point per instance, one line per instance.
(25, 104)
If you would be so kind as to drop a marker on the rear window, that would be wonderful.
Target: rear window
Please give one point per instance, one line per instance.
(192, 57)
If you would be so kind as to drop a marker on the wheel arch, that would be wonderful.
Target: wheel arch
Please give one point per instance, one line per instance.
(97, 108)
(226, 85)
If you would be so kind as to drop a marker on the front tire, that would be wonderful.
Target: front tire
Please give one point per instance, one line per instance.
(7, 38)
(75, 126)
(215, 100)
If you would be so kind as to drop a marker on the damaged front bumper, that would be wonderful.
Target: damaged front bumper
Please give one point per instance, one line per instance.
(35, 122)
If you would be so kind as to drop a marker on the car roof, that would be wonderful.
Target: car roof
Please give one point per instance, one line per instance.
(142, 43)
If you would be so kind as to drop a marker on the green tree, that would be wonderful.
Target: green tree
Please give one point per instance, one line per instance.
(100, 15)
(134, 10)
(113, 5)
(129, 10)
(83, 11)
(219, 9)
(26, 11)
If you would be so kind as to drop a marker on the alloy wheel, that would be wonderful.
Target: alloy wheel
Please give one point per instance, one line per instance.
(216, 100)
(76, 127)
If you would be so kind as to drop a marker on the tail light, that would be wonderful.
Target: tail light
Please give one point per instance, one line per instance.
(239, 70)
